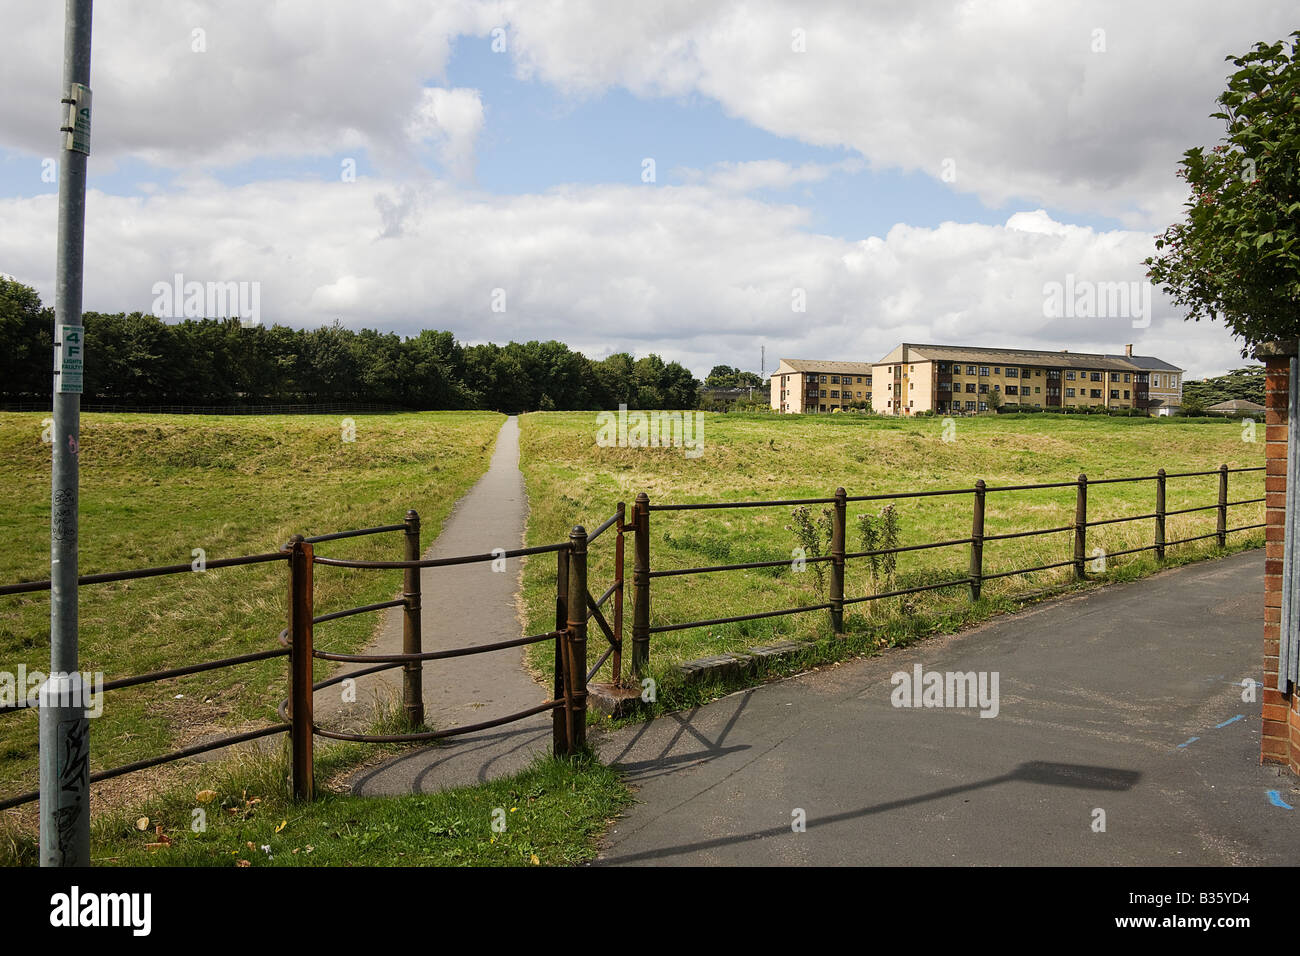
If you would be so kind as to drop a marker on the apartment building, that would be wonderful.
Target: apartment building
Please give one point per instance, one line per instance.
(966, 380)
(814, 385)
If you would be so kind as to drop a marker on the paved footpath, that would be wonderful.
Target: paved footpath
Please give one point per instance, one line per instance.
(461, 606)
(1124, 699)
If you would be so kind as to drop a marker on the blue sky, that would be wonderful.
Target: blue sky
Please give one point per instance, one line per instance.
(780, 172)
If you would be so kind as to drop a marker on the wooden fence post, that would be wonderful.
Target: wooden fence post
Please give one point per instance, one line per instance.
(561, 715)
(977, 542)
(301, 613)
(641, 589)
(1221, 526)
(576, 636)
(1081, 528)
(1160, 515)
(837, 561)
(413, 671)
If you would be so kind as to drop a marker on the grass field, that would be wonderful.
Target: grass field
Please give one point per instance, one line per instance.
(153, 489)
(760, 457)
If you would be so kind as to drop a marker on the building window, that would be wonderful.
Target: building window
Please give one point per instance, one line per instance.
(1070, 375)
(1096, 377)
(1114, 393)
(835, 393)
(984, 389)
(984, 406)
(823, 378)
(970, 387)
(1037, 389)
(1096, 393)
(1126, 376)
(835, 380)
(984, 370)
(970, 369)
(970, 406)
(1013, 373)
(1114, 376)
(997, 370)
(1069, 393)
(1126, 393)
(1013, 390)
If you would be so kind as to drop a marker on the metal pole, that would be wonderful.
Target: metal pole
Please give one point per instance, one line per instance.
(561, 716)
(837, 561)
(977, 542)
(301, 700)
(616, 665)
(1221, 526)
(577, 636)
(1160, 515)
(1080, 528)
(413, 671)
(641, 589)
(64, 729)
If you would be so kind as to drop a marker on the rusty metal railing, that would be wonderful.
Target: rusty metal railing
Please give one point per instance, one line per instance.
(974, 579)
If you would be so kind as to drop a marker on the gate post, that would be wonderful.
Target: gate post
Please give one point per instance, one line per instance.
(616, 664)
(561, 715)
(413, 676)
(641, 588)
(300, 667)
(1160, 515)
(1080, 528)
(1221, 525)
(576, 637)
(837, 562)
(977, 542)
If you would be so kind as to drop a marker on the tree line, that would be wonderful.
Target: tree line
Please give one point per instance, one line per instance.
(138, 359)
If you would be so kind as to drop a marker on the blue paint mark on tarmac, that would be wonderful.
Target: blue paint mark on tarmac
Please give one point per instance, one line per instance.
(1275, 798)
(1232, 721)
(1189, 741)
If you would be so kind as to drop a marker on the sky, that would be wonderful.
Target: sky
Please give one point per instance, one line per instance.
(702, 180)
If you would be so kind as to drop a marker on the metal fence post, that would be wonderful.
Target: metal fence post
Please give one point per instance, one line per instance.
(977, 542)
(1221, 526)
(413, 671)
(616, 664)
(641, 588)
(300, 666)
(576, 637)
(1160, 515)
(837, 562)
(561, 716)
(1080, 528)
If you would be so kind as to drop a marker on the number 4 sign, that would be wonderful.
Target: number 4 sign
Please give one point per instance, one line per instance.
(71, 354)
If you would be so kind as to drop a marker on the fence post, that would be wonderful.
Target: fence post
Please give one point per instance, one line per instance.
(1080, 528)
(300, 667)
(837, 562)
(1221, 527)
(1160, 515)
(576, 636)
(977, 542)
(561, 715)
(641, 588)
(616, 665)
(413, 676)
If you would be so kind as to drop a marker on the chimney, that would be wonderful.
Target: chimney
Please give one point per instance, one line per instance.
(1128, 350)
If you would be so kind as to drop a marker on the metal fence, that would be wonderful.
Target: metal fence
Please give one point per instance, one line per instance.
(575, 607)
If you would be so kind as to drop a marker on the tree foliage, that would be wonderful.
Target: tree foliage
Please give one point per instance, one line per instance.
(138, 359)
(1236, 255)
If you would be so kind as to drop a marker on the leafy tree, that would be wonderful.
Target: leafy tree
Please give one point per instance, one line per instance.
(1236, 254)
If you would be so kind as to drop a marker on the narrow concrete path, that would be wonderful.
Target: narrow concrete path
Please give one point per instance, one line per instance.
(461, 606)
(1127, 700)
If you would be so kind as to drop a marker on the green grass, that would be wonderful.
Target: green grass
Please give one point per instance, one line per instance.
(153, 488)
(763, 457)
(553, 814)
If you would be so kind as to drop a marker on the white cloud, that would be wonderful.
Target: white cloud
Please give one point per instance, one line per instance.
(695, 273)
(748, 176)
(452, 120)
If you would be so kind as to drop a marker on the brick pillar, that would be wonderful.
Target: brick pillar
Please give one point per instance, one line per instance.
(1280, 740)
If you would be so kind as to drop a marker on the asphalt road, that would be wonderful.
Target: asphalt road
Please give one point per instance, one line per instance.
(1125, 700)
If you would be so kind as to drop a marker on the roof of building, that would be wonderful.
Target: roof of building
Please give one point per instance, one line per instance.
(1046, 359)
(824, 365)
(1236, 405)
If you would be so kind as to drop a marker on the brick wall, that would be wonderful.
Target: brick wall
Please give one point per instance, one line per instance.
(1280, 742)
